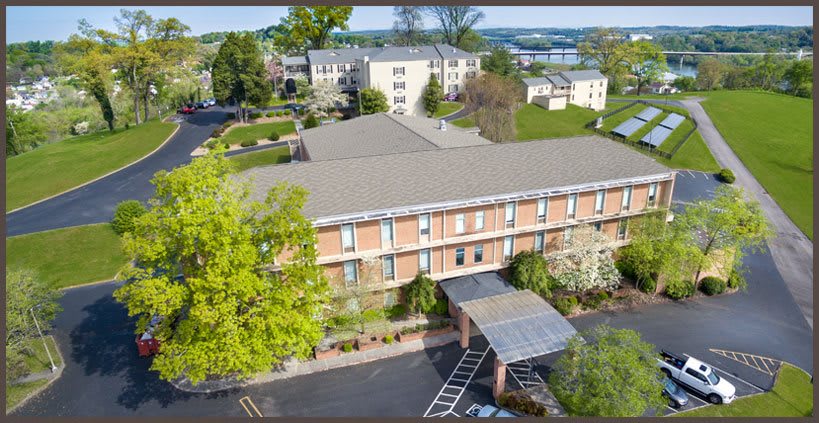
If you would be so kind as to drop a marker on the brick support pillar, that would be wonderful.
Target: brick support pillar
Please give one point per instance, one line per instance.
(452, 308)
(463, 326)
(499, 381)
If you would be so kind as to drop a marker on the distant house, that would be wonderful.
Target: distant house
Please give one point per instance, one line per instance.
(586, 88)
(639, 37)
(662, 88)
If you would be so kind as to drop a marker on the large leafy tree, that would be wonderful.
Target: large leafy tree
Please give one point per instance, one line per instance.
(607, 372)
(373, 100)
(227, 315)
(530, 270)
(602, 49)
(644, 60)
(710, 73)
(239, 74)
(23, 132)
(724, 227)
(420, 293)
(325, 96)
(433, 93)
(91, 62)
(493, 100)
(311, 27)
(499, 61)
(408, 25)
(455, 22)
(26, 297)
(799, 77)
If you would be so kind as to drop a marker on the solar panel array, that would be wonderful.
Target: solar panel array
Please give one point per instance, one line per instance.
(628, 127)
(648, 113)
(672, 121)
(656, 136)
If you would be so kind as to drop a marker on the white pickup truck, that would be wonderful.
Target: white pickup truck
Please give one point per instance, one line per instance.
(697, 376)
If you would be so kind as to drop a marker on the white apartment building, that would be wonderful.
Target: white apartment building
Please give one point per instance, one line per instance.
(402, 73)
(586, 88)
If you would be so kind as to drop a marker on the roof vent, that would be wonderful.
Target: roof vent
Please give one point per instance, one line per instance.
(442, 125)
(454, 50)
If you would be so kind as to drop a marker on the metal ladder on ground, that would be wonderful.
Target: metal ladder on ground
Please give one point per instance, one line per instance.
(524, 374)
(454, 387)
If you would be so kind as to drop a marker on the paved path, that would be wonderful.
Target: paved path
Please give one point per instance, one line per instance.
(792, 251)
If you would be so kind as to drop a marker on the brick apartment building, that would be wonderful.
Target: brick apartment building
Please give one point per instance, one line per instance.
(402, 73)
(450, 203)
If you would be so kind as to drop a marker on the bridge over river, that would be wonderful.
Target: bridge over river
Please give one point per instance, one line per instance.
(572, 51)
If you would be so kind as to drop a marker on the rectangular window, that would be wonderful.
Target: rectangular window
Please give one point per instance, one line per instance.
(342, 81)
(539, 238)
(453, 76)
(600, 94)
(542, 205)
(398, 71)
(652, 194)
(571, 208)
(478, 258)
(572, 97)
(572, 90)
(621, 229)
(460, 220)
(389, 267)
(598, 226)
(453, 63)
(471, 74)
(626, 199)
(398, 85)
(386, 233)
(424, 260)
(347, 238)
(399, 99)
(601, 83)
(389, 298)
(479, 217)
(471, 62)
(510, 214)
(591, 84)
(459, 256)
(599, 201)
(590, 96)
(350, 272)
(453, 88)
(423, 224)
(508, 247)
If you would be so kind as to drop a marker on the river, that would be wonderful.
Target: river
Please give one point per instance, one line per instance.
(569, 57)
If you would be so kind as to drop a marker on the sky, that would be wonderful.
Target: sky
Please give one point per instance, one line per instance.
(28, 23)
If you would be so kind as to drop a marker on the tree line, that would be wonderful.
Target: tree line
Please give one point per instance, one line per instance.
(770, 73)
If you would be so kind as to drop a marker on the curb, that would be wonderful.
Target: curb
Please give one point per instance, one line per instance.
(463, 106)
(103, 176)
(40, 389)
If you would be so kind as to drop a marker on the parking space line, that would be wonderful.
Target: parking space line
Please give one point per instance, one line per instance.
(460, 389)
(754, 362)
(733, 376)
(247, 400)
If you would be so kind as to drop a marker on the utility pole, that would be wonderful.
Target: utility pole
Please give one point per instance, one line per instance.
(45, 345)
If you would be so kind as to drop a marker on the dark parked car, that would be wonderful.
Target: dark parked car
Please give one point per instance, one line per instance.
(676, 396)
(451, 97)
(187, 109)
(294, 107)
(202, 105)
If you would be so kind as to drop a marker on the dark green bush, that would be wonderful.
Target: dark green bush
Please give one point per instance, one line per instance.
(255, 115)
(280, 113)
(217, 133)
(347, 347)
(271, 114)
(679, 289)
(602, 295)
(287, 112)
(625, 269)
(530, 270)
(441, 307)
(301, 112)
(592, 303)
(211, 144)
(249, 143)
(226, 145)
(274, 136)
(231, 115)
(389, 339)
(310, 121)
(565, 305)
(227, 124)
(125, 214)
(522, 404)
(649, 286)
(727, 175)
(711, 285)
(736, 280)
(396, 311)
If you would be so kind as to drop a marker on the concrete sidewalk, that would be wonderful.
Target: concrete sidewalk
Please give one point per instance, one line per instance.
(298, 368)
(792, 251)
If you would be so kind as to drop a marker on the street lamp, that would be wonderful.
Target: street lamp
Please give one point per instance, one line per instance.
(53, 367)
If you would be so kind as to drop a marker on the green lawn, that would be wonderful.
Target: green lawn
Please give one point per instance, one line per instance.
(260, 158)
(259, 131)
(773, 136)
(464, 122)
(694, 155)
(447, 108)
(616, 119)
(69, 256)
(16, 393)
(38, 361)
(54, 168)
(535, 122)
(792, 396)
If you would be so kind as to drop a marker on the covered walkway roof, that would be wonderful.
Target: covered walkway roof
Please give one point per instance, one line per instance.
(474, 287)
(519, 325)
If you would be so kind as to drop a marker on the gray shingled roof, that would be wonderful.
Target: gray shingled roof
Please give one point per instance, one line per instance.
(294, 60)
(383, 133)
(558, 80)
(475, 287)
(534, 82)
(400, 54)
(582, 75)
(396, 181)
(449, 52)
(337, 55)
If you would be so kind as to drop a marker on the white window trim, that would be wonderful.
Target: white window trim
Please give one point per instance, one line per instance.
(429, 260)
(384, 268)
(483, 220)
(355, 238)
(603, 205)
(545, 217)
(344, 271)
(623, 205)
(463, 249)
(506, 217)
(649, 202)
(543, 241)
(512, 248)
(429, 225)
(474, 251)
(392, 229)
(462, 217)
(569, 214)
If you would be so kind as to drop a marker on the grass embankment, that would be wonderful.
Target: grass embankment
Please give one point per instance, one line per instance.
(465, 122)
(68, 256)
(36, 361)
(259, 131)
(773, 136)
(275, 155)
(447, 108)
(535, 122)
(54, 168)
(792, 396)
(16, 393)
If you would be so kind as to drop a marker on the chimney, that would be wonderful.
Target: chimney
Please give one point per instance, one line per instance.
(442, 125)
(366, 59)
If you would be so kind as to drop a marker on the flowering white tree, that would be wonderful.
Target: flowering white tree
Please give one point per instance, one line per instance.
(586, 262)
(324, 96)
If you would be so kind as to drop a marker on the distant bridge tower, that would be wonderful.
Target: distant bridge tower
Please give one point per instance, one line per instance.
(799, 57)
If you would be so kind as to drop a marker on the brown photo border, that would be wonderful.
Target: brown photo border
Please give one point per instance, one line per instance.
(143, 3)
